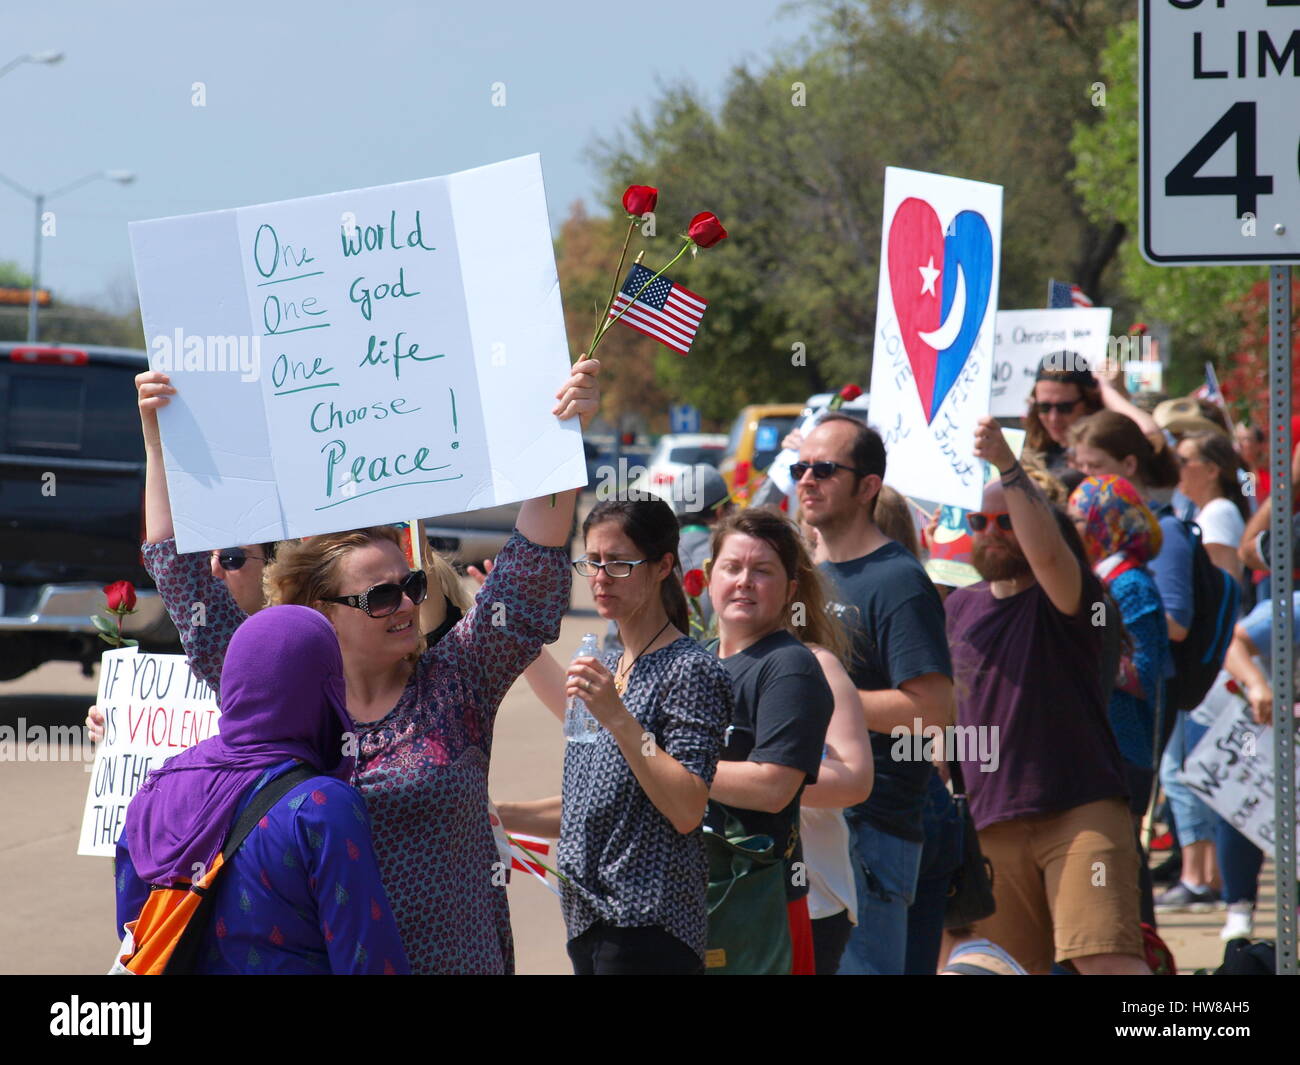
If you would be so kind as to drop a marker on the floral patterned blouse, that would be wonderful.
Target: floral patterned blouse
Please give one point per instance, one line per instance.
(423, 768)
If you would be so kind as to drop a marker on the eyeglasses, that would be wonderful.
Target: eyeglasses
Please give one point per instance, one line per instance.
(384, 599)
(820, 470)
(1060, 408)
(979, 521)
(613, 568)
(233, 558)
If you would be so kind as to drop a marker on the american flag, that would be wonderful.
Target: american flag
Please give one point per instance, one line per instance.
(1061, 296)
(665, 311)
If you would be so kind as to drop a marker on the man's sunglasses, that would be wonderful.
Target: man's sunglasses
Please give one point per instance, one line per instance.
(820, 470)
(1060, 408)
(384, 599)
(233, 558)
(978, 521)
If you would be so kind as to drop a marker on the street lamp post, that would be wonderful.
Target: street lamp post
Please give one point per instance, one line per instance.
(122, 177)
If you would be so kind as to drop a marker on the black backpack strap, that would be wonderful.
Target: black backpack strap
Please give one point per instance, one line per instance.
(262, 802)
(955, 775)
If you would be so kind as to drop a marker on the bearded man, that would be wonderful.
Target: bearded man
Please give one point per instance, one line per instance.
(1027, 645)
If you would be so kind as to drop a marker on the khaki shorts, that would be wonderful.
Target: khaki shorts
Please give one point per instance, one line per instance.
(1066, 885)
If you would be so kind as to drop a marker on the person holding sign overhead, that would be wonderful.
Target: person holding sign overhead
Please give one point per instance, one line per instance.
(423, 717)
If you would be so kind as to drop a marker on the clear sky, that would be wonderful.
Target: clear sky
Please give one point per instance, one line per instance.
(314, 97)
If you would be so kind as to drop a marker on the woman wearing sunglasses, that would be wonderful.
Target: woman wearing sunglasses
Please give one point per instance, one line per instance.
(424, 717)
(633, 800)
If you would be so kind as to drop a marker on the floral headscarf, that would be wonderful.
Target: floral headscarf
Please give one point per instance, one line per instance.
(1118, 522)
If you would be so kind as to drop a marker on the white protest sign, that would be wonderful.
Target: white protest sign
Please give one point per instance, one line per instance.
(1231, 771)
(154, 707)
(932, 367)
(356, 358)
(1022, 339)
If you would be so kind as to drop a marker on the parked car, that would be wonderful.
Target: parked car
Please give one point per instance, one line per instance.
(676, 453)
(71, 504)
(754, 441)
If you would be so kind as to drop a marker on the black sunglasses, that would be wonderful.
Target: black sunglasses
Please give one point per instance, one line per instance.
(384, 599)
(233, 558)
(1060, 408)
(820, 470)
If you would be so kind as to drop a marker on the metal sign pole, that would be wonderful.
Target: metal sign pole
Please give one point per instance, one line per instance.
(1279, 375)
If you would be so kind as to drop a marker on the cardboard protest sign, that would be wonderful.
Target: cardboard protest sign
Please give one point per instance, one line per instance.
(356, 358)
(1022, 338)
(932, 367)
(950, 546)
(1231, 769)
(154, 707)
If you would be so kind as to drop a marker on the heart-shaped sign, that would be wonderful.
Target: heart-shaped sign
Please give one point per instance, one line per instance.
(940, 281)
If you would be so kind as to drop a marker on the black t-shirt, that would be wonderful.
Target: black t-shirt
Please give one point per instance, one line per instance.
(782, 707)
(895, 619)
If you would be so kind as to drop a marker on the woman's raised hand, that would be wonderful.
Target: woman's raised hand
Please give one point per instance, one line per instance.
(580, 394)
(95, 723)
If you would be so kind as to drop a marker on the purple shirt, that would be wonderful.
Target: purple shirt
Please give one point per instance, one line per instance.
(1021, 665)
(423, 768)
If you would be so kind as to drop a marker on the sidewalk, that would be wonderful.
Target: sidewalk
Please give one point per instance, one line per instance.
(1194, 937)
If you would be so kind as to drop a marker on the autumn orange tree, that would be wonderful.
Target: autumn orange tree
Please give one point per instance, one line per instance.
(1245, 385)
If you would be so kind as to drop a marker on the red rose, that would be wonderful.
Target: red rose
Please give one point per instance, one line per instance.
(850, 392)
(640, 199)
(1233, 687)
(694, 583)
(121, 597)
(705, 229)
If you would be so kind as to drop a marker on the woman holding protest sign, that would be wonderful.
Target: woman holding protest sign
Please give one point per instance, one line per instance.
(423, 717)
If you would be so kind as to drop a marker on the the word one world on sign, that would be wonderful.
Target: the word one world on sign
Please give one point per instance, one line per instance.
(1220, 131)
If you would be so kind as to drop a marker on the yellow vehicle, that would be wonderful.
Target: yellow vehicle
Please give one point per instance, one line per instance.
(755, 441)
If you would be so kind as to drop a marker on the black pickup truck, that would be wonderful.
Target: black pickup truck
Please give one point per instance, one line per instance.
(71, 503)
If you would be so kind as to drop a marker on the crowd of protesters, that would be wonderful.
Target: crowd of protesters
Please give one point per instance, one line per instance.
(752, 800)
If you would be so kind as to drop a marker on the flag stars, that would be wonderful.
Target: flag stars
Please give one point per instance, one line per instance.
(929, 274)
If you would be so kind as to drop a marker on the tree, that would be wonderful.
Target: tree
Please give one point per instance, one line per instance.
(1245, 385)
(793, 162)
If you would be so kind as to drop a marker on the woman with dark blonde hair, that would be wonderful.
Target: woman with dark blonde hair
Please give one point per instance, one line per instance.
(423, 717)
(798, 733)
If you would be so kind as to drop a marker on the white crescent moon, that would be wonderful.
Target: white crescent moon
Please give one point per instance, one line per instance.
(943, 337)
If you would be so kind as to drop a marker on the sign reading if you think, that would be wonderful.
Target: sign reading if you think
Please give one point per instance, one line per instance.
(356, 358)
(1220, 131)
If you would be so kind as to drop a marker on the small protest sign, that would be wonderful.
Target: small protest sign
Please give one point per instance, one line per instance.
(1231, 769)
(154, 707)
(1022, 338)
(932, 367)
(353, 359)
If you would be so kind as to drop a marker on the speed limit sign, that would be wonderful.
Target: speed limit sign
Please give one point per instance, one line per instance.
(1220, 131)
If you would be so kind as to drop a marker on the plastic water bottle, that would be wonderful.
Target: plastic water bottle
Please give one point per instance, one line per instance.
(579, 725)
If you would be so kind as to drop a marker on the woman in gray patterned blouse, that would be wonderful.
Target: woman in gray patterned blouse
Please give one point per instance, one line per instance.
(633, 800)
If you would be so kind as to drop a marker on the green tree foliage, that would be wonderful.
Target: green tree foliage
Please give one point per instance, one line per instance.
(793, 162)
(1202, 304)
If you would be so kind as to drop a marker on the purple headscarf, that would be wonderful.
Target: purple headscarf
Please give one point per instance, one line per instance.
(282, 697)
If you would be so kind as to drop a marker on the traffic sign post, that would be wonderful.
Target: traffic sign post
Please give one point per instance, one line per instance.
(1219, 182)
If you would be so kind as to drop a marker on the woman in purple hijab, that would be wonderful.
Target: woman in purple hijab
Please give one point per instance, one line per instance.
(303, 894)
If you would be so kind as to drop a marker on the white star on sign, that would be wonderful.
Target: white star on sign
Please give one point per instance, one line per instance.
(928, 275)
